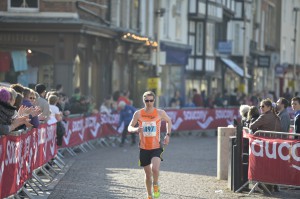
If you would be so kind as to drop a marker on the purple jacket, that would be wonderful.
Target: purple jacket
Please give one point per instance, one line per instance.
(33, 120)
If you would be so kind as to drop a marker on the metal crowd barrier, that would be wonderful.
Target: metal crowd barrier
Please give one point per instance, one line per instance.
(268, 134)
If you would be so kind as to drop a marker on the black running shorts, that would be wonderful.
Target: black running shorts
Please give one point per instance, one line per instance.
(147, 155)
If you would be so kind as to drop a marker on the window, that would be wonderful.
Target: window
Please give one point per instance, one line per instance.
(178, 19)
(199, 39)
(23, 5)
(210, 39)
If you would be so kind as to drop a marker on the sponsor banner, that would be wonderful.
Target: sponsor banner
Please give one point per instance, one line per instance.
(20, 155)
(274, 160)
(83, 129)
(45, 144)
(202, 119)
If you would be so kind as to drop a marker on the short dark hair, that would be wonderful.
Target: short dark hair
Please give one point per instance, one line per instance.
(40, 88)
(284, 101)
(296, 99)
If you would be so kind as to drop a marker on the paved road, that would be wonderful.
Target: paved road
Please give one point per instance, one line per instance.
(188, 171)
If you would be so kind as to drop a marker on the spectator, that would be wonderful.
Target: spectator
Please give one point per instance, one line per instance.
(218, 101)
(252, 115)
(79, 107)
(244, 109)
(106, 106)
(76, 96)
(17, 87)
(7, 111)
(189, 103)
(126, 114)
(56, 117)
(176, 101)
(42, 102)
(234, 98)
(268, 120)
(281, 106)
(124, 96)
(197, 99)
(296, 107)
(34, 120)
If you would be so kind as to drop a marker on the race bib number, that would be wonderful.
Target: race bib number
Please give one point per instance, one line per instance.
(149, 129)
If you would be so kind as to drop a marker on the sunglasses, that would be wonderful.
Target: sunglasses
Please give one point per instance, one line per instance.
(149, 100)
(33, 98)
(262, 106)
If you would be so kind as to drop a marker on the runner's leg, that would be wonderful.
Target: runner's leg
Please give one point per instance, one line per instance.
(148, 179)
(155, 168)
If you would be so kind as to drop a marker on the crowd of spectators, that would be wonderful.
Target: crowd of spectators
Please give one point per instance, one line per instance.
(23, 108)
(225, 99)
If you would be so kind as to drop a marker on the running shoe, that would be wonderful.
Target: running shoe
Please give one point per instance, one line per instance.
(149, 197)
(156, 191)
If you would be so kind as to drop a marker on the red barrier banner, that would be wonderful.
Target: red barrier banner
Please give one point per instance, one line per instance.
(20, 155)
(202, 118)
(275, 161)
(16, 163)
(83, 129)
(46, 144)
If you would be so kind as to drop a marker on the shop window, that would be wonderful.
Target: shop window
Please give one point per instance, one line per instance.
(24, 5)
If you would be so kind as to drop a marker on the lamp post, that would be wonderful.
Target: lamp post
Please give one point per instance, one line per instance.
(296, 9)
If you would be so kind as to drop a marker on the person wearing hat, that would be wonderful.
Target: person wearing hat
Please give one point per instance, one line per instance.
(126, 113)
(42, 102)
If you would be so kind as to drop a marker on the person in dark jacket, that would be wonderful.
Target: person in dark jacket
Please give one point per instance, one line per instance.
(296, 107)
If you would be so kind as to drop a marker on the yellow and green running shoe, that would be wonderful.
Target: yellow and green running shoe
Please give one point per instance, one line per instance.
(156, 191)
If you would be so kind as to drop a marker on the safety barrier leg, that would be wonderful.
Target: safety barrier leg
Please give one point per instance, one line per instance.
(26, 192)
(36, 184)
(35, 176)
(32, 187)
(58, 164)
(59, 153)
(81, 147)
(241, 188)
(256, 185)
(51, 168)
(47, 173)
(90, 145)
(57, 158)
(72, 153)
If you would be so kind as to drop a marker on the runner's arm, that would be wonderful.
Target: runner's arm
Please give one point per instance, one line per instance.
(165, 117)
(133, 122)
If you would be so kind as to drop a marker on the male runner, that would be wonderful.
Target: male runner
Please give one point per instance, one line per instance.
(151, 149)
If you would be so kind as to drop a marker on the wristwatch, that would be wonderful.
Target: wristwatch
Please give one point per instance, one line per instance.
(168, 134)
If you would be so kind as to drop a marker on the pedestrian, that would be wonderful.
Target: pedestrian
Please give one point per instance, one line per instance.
(151, 148)
(296, 107)
(285, 120)
(126, 113)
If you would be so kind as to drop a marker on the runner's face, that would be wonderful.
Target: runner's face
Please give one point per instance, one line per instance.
(149, 101)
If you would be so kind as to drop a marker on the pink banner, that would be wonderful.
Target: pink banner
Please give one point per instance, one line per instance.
(274, 160)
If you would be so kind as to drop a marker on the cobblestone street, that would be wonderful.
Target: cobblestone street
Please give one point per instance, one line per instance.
(188, 171)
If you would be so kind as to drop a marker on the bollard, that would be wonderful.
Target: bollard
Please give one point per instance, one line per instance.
(223, 151)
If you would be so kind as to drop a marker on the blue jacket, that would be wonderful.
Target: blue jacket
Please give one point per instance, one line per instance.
(126, 115)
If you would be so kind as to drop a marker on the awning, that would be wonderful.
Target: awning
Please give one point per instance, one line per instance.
(233, 66)
(176, 54)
